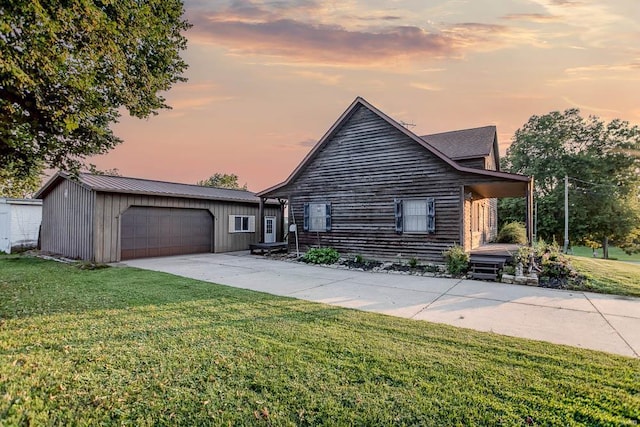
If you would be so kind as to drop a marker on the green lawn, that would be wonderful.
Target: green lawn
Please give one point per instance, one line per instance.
(125, 346)
(614, 252)
(610, 277)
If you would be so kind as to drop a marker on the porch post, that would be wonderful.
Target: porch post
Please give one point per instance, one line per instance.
(529, 213)
(260, 224)
(281, 228)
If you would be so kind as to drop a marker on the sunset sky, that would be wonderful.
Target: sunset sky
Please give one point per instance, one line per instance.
(267, 78)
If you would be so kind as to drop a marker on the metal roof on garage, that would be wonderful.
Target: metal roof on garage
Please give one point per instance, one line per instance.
(127, 185)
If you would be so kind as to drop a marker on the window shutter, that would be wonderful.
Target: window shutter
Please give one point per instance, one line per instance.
(252, 224)
(398, 210)
(431, 215)
(232, 223)
(328, 216)
(305, 222)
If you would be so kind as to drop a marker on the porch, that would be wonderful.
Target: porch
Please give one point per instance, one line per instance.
(479, 207)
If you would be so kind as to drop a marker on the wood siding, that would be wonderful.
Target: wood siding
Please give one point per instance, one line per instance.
(110, 206)
(361, 170)
(477, 163)
(67, 226)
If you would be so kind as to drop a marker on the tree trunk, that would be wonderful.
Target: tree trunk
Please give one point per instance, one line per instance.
(605, 248)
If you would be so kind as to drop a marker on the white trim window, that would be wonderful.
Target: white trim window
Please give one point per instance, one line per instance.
(415, 215)
(242, 223)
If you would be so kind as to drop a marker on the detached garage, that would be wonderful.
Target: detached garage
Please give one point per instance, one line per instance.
(105, 218)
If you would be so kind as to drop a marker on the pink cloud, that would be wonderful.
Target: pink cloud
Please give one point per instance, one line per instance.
(320, 42)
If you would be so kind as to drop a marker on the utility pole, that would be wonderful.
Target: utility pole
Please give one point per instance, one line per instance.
(566, 214)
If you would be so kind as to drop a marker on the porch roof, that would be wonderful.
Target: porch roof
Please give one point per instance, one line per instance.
(500, 189)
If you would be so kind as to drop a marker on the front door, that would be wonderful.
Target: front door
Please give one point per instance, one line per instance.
(269, 229)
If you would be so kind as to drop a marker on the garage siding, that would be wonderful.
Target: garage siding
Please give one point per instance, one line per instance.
(110, 206)
(67, 221)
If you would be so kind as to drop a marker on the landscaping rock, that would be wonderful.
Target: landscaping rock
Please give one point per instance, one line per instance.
(508, 278)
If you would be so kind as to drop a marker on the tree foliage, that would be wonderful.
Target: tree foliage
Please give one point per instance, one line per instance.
(67, 70)
(93, 169)
(600, 159)
(19, 186)
(222, 180)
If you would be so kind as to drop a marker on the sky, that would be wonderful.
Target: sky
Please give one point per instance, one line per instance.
(267, 78)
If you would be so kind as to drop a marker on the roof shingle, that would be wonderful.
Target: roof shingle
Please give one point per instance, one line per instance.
(463, 144)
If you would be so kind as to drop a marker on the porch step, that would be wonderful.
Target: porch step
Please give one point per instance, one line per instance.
(486, 267)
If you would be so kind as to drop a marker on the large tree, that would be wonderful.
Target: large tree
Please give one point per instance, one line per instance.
(222, 180)
(69, 68)
(17, 185)
(599, 159)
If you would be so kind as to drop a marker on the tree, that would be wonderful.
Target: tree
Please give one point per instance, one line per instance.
(222, 180)
(67, 70)
(598, 157)
(93, 169)
(19, 186)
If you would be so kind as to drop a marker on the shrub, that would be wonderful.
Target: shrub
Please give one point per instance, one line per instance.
(513, 232)
(457, 260)
(413, 262)
(321, 256)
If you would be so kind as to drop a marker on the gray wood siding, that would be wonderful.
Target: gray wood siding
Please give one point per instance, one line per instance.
(110, 206)
(477, 163)
(360, 171)
(67, 227)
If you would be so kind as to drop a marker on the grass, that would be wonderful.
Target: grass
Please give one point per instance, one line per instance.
(131, 347)
(609, 277)
(614, 252)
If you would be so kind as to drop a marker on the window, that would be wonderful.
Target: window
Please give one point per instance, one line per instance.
(242, 224)
(317, 217)
(415, 215)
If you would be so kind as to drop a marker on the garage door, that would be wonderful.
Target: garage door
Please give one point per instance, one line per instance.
(149, 232)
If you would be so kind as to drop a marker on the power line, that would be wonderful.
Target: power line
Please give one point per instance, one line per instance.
(594, 184)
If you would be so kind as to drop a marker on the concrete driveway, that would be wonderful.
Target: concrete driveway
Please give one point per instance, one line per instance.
(580, 319)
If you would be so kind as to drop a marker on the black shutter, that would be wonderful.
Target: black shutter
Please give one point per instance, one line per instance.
(399, 225)
(431, 215)
(327, 211)
(305, 222)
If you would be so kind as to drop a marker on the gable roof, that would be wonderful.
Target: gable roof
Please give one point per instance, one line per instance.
(122, 184)
(358, 102)
(465, 143)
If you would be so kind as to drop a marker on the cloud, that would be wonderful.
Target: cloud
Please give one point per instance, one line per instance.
(323, 78)
(599, 72)
(425, 86)
(598, 110)
(343, 34)
(531, 17)
(301, 41)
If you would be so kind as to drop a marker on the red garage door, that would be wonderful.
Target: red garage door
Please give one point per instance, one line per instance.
(150, 232)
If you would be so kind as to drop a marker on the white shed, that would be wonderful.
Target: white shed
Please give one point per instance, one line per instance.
(19, 223)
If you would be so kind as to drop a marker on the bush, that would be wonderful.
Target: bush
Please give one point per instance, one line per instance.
(513, 232)
(457, 260)
(321, 256)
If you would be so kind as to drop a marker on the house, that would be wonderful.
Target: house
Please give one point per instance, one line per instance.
(374, 188)
(104, 218)
(19, 223)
